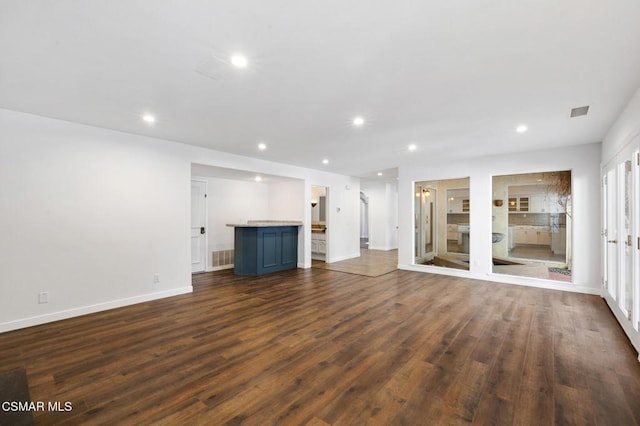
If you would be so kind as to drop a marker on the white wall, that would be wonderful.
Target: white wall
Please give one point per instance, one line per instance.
(89, 215)
(383, 207)
(626, 128)
(343, 218)
(582, 160)
(286, 201)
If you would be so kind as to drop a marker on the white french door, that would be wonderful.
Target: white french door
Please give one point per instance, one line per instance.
(198, 225)
(621, 239)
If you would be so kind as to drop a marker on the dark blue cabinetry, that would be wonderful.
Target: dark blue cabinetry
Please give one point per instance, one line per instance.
(263, 249)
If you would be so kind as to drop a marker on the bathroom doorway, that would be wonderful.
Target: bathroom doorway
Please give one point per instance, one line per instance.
(319, 223)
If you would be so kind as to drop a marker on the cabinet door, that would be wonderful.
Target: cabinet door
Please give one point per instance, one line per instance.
(520, 235)
(452, 232)
(314, 246)
(532, 236)
(534, 204)
(544, 238)
(538, 204)
(455, 205)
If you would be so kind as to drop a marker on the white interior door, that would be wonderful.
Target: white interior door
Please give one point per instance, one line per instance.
(198, 225)
(621, 240)
(626, 236)
(610, 232)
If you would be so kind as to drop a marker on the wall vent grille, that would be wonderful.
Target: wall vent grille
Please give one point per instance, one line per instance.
(579, 111)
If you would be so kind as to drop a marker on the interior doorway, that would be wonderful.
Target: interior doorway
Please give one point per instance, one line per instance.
(319, 223)
(198, 226)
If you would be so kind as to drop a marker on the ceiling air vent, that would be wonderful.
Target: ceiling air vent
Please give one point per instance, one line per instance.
(579, 111)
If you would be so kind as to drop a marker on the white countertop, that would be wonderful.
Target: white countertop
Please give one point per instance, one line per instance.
(265, 223)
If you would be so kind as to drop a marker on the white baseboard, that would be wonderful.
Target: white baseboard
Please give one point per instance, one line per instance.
(625, 324)
(219, 268)
(504, 279)
(382, 248)
(338, 259)
(84, 310)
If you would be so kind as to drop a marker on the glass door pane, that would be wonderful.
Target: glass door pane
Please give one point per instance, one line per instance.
(634, 283)
(611, 232)
(442, 231)
(626, 281)
(635, 208)
(425, 223)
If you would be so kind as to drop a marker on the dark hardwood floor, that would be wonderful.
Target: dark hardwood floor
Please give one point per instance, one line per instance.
(321, 347)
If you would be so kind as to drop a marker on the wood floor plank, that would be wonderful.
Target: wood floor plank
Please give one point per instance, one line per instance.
(535, 404)
(321, 347)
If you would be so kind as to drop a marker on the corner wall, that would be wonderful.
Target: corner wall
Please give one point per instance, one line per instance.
(626, 128)
(88, 216)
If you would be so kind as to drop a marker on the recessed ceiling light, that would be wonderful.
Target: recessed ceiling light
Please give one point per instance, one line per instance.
(412, 147)
(379, 173)
(358, 121)
(239, 61)
(149, 118)
(325, 161)
(258, 179)
(262, 146)
(521, 128)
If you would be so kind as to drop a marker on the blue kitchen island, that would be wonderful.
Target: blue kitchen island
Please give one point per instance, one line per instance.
(261, 247)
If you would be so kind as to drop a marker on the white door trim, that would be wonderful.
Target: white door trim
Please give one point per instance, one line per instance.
(205, 243)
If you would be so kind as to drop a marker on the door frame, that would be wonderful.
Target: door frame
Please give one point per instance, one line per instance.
(327, 216)
(418, 239)
(613, 254)
(206, 228)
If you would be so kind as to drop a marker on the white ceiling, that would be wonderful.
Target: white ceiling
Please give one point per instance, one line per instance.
(453, 77)
(204, 171)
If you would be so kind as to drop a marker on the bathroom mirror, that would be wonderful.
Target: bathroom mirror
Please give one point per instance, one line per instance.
(531, 225)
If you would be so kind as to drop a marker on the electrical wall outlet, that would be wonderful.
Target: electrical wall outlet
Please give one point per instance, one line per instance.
(156, 278)
(43, 297)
